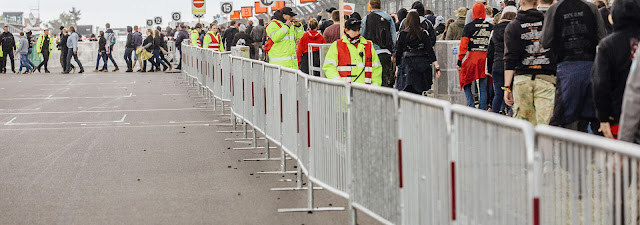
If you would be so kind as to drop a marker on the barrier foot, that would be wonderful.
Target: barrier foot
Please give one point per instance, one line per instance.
(294, 188)
(254, 148)
(230, 131)
(278, 172)
(242, 139)
(319, 209)
(264, 159)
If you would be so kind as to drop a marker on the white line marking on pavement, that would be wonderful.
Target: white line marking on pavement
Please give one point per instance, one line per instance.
(36, 109)
(50, 97)
(121, 120)
(99, 111)
(10, 121)
(108, 126)
(90, 84)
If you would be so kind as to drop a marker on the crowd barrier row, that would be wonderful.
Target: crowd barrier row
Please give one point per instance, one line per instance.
(408, 159)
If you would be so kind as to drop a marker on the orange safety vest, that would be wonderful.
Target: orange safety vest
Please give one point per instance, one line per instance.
(344, 61)
(214, 42)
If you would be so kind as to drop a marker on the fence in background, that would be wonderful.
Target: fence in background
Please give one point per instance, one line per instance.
(408, 159)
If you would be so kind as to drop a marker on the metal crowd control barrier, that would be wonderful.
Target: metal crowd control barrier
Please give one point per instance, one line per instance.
(408, 159)
(323, 48)
(587, 179)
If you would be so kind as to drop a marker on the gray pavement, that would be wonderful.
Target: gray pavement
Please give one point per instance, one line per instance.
(132, 148)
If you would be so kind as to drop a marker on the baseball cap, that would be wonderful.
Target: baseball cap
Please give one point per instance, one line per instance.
(288, 11)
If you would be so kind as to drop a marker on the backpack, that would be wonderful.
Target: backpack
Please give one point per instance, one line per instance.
(378, 31)
(269, 43)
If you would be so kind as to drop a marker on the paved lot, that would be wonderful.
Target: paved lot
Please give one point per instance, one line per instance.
(120, 148)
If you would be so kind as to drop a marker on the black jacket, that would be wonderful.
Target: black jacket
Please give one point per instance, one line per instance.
(130, 43)
(8, 42)
(157, 42)
(228, 36)
(573, 28)
(148, 43)
(523, 52)
(495, 53)
(63, 43)
(414, 47)
(182, 35)
(613, 61)
(102, 44)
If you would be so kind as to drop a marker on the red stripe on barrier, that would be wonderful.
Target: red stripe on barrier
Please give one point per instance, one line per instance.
(308, 130)
(265, 101)
(213, 72)
(281, 115)
(243, 89)
(221, 76)
(233, 88)
(400, 160)
(536, 211)
(453, 191)
(253, 101)
(298, 116)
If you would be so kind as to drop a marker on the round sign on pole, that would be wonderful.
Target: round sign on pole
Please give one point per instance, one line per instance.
(266, 3)
(149, 23)
(157, 20)
(176, 16)
(226, 7)
(198, 7)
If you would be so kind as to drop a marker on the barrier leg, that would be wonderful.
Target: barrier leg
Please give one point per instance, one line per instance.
(283, 165)
(310, 207)
(298, 183)
(267, 152)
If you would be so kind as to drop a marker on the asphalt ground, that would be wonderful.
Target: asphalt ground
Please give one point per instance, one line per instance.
(134, 148)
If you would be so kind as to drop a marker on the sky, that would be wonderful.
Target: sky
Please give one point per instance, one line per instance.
(120, 13)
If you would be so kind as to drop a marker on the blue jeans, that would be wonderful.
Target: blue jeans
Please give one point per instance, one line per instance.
(110, 56)
(102, 55)
(75, 57)
(483, 94)
(127, 57)
(498, 82)
(24, 60)
(28, 61)
(156, 58)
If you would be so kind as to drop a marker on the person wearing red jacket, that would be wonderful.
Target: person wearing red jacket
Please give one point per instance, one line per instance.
(475, 42)
(309, 37)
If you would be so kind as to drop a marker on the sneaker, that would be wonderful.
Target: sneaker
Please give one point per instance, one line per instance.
(104, 70)
(140, 70)
(39, 70)
(128, 71)
(151, 71)
(165, 69)
(116, 69)
(81, 71)
(96, 70)
(65, 72)
(26, 72)
(46, 71)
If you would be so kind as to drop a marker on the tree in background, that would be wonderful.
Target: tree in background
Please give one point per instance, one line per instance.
(65, 19)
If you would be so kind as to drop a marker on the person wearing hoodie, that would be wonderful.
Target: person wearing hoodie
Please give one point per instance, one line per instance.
(111, 41)
(495, 58)
(474, 43)
(612, 65)
(379, 28)
(309, 37)
(283, 31)
(573, 29)
(23, 51)
(455, 29)
(102, 53)
(72, 45)
(401, 14)
(242, 38)
(469, 16)
(630, 117)
(529, 67)
(543, 5)
(130, 46)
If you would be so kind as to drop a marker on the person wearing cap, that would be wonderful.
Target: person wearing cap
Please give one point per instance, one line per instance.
(455, 29)
(353, 58)
(213, 40)
(195, 36)
(283, 31)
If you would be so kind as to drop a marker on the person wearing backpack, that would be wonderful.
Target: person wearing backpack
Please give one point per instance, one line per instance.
(111, 41)
(283, 31)
(424, 22)
(380, 28)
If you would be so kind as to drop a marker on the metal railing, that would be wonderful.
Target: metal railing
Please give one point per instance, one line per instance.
(409, 159)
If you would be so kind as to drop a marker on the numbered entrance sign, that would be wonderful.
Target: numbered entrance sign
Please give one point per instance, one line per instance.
(198, 7)
(266, 3)
(149, 23)
(176, 16)
(226, 7)
(157, 20)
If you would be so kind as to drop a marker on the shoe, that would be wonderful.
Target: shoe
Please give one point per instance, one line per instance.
(81, 71)
(140, 70)
(116, 69)
(104, 70)
(151, 71)
(129, 71)
(157, 69)
(165, 69)
(170, 67)
(178, 68)
(96, 70)
(39, 70)
(26, 72)
(33, 70)
(46, 71)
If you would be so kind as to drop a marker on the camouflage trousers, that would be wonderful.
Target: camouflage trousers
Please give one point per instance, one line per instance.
(534, 99)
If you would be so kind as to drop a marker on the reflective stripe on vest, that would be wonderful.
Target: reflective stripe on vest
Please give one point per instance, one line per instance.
(281, 28)
(282, 58)
(214, 42)
(344, 61)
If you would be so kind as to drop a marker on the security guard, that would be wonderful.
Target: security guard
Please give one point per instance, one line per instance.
(283, 35)
(195, 36)
(44, 47)
(212, 39)
(353, 58)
